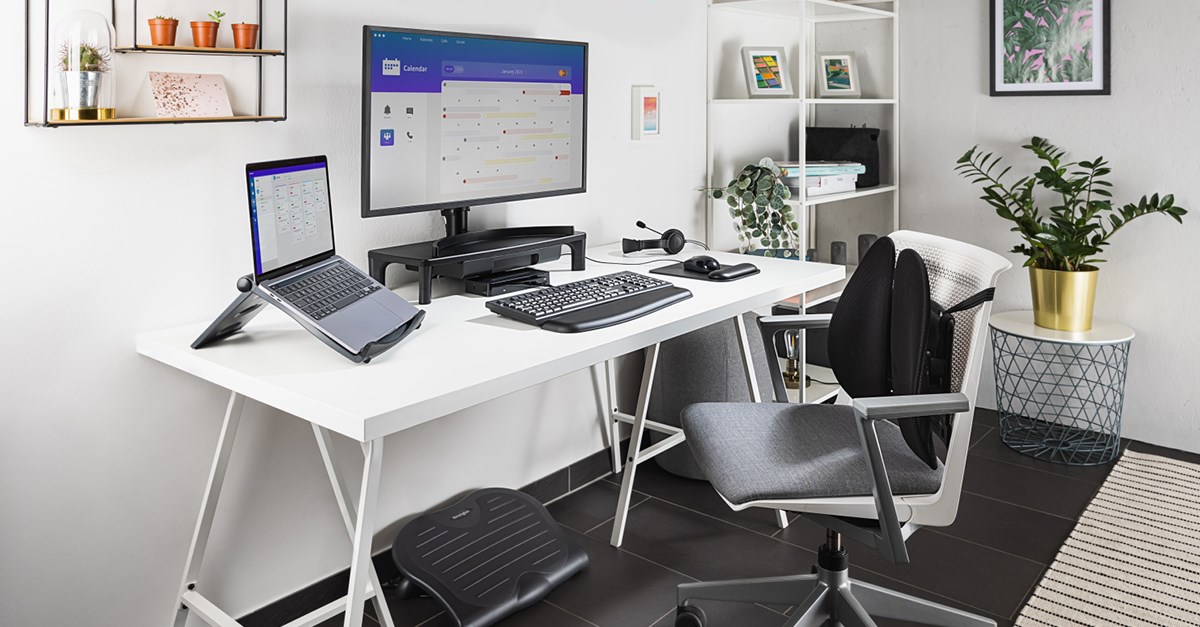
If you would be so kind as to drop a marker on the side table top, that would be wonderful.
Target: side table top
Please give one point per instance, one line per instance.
(1021, 323)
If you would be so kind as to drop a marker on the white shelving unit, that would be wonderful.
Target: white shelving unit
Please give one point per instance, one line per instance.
(742, 130)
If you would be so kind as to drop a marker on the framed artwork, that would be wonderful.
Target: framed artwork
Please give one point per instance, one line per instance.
(1050, 48)
(766, 72)
(646, 111)
(837, 75)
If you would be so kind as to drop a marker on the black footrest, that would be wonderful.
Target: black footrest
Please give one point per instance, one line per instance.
(495, 552)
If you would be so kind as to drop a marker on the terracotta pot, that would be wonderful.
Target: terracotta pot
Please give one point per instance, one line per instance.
(204, 34)
(162, 32)
(245, 36)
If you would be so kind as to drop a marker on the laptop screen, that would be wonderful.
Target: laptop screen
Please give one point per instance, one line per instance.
(290, 217)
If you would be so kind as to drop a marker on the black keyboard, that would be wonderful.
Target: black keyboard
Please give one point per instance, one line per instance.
(325, 291)
(591, 303)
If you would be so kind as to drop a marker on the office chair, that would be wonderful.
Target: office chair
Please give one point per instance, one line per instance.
(849, 467)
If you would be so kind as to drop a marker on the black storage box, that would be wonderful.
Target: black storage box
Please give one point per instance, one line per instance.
(860, 145)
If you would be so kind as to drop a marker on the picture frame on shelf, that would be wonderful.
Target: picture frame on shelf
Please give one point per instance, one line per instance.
(646, 112)
(1047, 50)
(837, 75)
(767, 72)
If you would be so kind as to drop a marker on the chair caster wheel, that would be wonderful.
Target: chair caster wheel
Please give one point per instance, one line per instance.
(690, 616)
(406, 589)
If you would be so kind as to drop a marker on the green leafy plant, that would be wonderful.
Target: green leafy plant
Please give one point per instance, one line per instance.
(1072, 232)
(216, 15)
(164, 17)
(761, 215)
(91, 58)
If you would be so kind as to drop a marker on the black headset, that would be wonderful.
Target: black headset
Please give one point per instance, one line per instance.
(672, 241)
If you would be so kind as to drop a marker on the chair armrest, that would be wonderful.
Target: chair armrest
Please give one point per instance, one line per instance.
(771, 324)
(870, 411)
(885, 407)
(769, 327)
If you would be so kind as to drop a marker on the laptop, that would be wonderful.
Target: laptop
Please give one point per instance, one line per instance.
(297, 268)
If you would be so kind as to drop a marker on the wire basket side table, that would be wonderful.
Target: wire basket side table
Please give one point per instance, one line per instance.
(1060, 394)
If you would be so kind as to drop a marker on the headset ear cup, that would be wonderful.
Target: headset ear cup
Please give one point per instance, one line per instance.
(673, 241)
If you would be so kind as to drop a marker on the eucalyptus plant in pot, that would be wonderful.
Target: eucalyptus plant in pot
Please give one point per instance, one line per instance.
(1061, 243)
(757, 202)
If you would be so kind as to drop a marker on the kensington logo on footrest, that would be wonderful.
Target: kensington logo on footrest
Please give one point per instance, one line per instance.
(465, 512)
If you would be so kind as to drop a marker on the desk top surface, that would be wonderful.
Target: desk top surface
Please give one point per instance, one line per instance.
(463, 354)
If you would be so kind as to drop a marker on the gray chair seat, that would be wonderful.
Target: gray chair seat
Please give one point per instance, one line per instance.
(757, 451)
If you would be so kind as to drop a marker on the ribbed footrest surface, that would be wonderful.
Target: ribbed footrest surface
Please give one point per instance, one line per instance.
(495, 552)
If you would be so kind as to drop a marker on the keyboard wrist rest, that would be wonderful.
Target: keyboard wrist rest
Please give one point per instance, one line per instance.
(617, 311)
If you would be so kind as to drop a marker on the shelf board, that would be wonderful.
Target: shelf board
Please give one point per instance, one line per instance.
(236, 52)
(850, 101)
(235, 118)
(859, 193)
(820, 392)
(755, 101)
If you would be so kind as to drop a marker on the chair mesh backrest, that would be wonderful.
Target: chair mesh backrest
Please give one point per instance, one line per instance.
(953, 277)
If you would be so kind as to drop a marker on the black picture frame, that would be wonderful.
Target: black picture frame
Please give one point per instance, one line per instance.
(996, 41)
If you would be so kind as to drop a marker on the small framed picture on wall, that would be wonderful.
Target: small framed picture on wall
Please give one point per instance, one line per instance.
(766, 72)
(646, 111)
(837, 75)
(1050, 48)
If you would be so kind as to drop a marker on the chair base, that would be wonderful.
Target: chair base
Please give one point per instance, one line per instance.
(827, 595)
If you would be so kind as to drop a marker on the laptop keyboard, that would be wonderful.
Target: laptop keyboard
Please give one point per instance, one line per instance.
(326, 291)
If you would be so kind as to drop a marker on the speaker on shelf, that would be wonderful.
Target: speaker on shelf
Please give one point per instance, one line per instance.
(837, 253)
(865, 242)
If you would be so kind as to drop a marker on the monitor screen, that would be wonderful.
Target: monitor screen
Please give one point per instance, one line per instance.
(290, 217)
(452, 120)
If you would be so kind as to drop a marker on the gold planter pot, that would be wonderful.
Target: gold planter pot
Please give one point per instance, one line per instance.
(1063, 300)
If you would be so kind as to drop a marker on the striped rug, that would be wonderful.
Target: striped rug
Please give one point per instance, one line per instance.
(1134, 556)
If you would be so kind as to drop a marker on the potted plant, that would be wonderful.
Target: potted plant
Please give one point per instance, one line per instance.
(1063, 241)
(245, 36)
(82, 69)
(162, 30)
(204, 33)
(761, 215)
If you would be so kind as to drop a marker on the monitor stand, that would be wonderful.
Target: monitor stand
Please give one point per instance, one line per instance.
(481, 255)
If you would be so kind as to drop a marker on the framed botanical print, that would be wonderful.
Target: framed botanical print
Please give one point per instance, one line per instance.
(837, 75)
(1050, 47)
(766, 72)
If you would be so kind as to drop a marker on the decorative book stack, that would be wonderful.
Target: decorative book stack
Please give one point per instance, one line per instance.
(823, 177)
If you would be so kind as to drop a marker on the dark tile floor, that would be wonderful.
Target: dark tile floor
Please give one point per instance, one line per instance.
(1015, 513)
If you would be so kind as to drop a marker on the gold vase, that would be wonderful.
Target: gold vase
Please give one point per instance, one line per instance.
(1063, 300)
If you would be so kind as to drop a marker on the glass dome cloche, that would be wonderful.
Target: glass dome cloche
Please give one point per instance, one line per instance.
(85, 89)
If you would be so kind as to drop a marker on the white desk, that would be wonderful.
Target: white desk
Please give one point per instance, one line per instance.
(277, 363)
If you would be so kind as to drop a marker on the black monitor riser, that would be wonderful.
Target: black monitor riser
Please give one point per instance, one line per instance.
(468, 255)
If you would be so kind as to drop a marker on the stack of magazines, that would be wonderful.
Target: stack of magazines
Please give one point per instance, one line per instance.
(822, 177)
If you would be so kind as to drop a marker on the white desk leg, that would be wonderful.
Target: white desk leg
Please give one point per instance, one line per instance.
(614, 425)
(635, 446)
(752, 382)
(346, 505)
(208, 507)
(364, 530)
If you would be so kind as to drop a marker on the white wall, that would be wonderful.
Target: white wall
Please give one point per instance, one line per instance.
(114, 231)
(1148, 129)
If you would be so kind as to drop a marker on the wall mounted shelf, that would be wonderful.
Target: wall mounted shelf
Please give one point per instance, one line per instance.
(272, 81)
(238, 52)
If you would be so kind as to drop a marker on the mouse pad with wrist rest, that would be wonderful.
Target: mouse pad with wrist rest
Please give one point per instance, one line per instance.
(677, 269)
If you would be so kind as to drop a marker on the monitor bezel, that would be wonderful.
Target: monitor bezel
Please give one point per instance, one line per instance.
(367, 212)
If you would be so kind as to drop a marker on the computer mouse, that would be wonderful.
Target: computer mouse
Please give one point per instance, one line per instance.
(702, 263)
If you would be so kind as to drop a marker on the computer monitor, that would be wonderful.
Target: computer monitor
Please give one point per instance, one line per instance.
(452, 120)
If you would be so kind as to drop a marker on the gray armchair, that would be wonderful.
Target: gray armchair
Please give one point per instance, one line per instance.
(849, 467)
